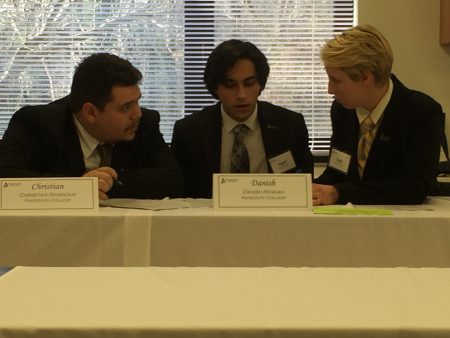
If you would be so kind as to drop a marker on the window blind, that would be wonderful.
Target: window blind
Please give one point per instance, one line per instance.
(169, 42)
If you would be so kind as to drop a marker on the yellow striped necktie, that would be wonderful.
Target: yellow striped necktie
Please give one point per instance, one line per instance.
(365, 142)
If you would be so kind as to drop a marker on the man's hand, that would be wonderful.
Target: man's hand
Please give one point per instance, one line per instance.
(324, 194)
(106, 177)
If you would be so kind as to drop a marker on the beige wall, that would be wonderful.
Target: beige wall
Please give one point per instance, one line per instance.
(412, 27)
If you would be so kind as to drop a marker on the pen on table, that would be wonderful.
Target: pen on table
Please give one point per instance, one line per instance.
(116, 180)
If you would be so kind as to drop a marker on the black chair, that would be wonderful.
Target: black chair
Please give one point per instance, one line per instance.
(444, 166)
(443, 188)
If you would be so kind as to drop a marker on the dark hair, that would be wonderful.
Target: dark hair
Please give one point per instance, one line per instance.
(95, 77)
(223, 58)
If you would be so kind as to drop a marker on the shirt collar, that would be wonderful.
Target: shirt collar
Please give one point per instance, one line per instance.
(87, 141)
(229, 123)
(377, 113)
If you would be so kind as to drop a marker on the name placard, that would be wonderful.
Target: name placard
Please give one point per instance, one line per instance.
(258, 191)
(74, 193)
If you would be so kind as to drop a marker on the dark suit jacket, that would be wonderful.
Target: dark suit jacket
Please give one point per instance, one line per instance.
(197, 142)
(43, 141)
(402, 163)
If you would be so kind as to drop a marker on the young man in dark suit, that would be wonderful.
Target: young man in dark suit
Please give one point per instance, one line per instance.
(386, 137)
(66, 137)
(271, 138)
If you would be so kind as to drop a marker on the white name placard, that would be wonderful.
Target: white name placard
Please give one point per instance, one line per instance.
(75, 193)
(257, 191)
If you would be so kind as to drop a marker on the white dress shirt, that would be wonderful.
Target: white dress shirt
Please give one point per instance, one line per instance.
(377, 114)
(88, 146)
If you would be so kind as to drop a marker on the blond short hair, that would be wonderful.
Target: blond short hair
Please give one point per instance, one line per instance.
(359, 49)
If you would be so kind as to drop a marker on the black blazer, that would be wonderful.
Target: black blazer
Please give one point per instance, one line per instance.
(402, 163)
(43, 141)
(197, 140)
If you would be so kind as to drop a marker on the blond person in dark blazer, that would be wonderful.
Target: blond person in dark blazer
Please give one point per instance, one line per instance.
(394, 161)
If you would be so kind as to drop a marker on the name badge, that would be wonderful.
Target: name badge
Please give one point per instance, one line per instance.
(74, 193)
(339, 160)
(258, 191)
(282, 163)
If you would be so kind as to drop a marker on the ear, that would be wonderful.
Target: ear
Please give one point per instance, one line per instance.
(367, 77)
(89, 112)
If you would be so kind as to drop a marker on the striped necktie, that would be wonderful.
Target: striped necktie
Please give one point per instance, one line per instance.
(365, 142)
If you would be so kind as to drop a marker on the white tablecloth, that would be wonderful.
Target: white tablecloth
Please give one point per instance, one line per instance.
(415, 236)
(110, 237)
(225, 302)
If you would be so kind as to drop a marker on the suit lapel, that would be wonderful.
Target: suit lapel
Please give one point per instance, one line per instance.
(212, 138)
(381, 141)
(348, 128)
(122, 155)
(272, 135)
(72, 149)
(385, 131)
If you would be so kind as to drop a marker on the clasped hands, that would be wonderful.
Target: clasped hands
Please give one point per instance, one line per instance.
(106, 178)
(324, 194)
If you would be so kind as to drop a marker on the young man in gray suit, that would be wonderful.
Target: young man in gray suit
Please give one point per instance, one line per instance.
(386, 137)
(67, 137)
(239, 133)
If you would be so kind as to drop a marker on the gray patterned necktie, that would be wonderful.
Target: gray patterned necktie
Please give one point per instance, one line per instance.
(105, 152)
(239, 154)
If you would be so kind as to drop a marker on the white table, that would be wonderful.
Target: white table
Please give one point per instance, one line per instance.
(110, 237)
(415, 236)
(225, 302)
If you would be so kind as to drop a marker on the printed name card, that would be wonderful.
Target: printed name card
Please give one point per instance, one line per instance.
(73, 193)
(258, 191)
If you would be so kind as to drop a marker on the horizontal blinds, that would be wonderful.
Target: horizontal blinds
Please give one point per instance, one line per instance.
(169, 41)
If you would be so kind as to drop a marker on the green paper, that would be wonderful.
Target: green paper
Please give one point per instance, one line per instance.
(334, 210)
